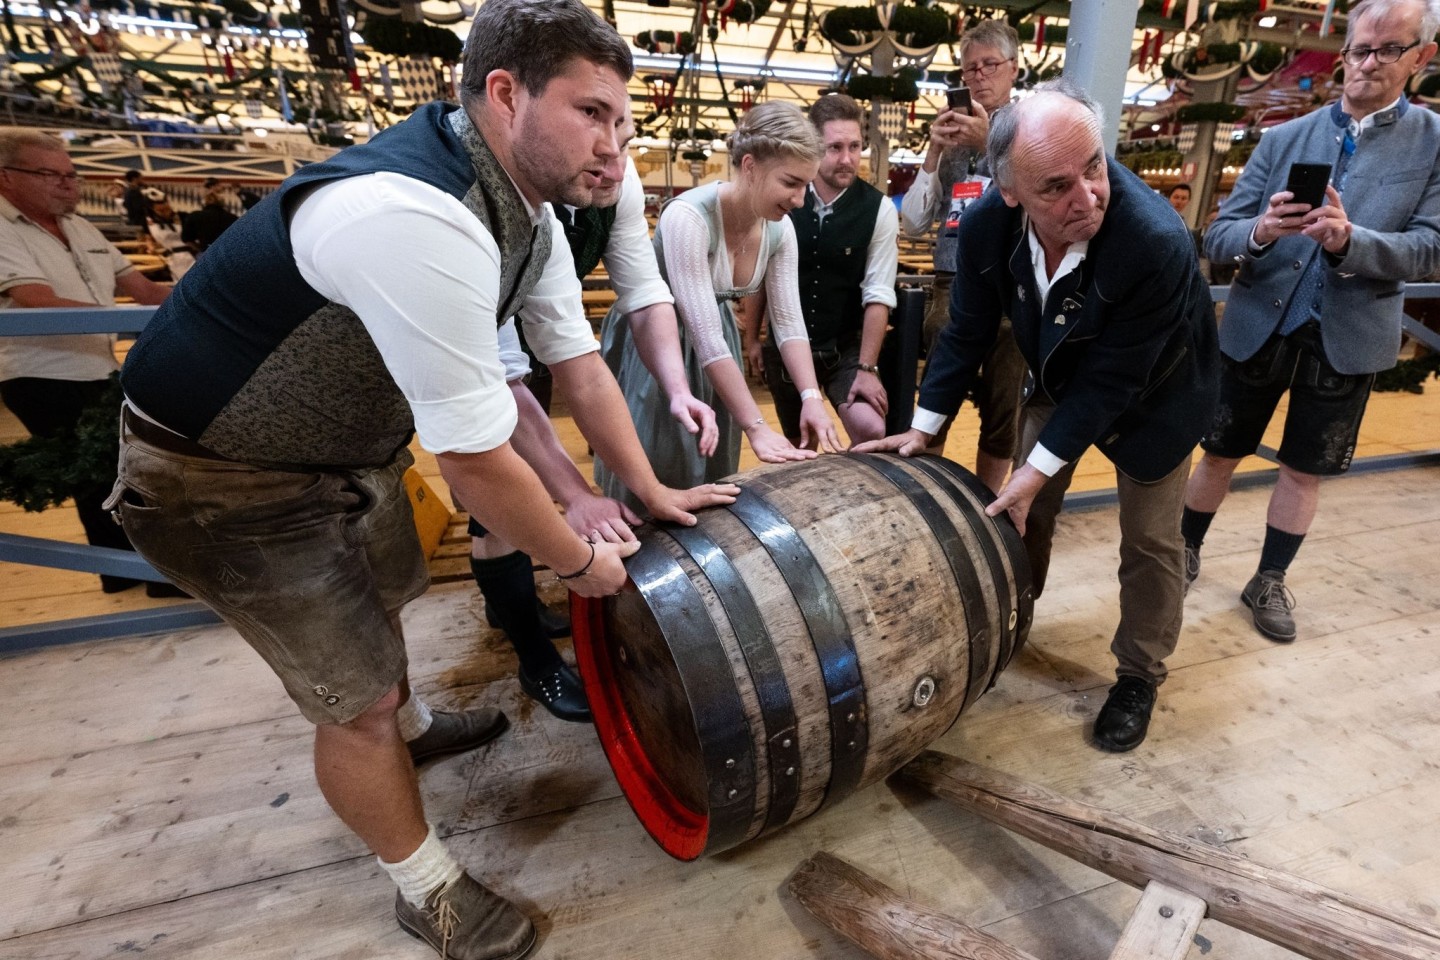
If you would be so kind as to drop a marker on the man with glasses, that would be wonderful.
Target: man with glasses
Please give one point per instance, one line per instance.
(956, 160)
(51, 258)
(1315, 308)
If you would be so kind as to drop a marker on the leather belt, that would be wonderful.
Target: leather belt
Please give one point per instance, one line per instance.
(167, 440)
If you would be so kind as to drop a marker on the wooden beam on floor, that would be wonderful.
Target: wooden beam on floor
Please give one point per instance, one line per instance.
(885, 924)
(1285, 909)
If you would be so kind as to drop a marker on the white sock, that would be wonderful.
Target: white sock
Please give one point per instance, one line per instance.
(424, 871)
(413, 718)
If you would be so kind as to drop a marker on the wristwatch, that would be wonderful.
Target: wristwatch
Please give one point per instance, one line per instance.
(869, 368)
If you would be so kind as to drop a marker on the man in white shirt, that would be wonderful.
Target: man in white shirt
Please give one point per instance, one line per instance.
(954, 174)
(613, 228)
(266, 436)
(1101, 283)
(845, 236)
(49, 257)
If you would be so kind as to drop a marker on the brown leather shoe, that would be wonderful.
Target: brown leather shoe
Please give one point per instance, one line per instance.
(457, 732)
(465, 921)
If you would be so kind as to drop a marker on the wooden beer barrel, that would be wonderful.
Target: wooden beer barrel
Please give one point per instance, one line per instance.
(799, 644)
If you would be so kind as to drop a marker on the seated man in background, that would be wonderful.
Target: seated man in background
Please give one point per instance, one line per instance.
(49, 257)
(845, 235)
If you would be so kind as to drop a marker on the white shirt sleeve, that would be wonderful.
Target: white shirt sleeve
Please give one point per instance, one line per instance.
(554, 316)
(426, 295)
(927, 421)
(687, 264)
(629, 255)
(512, 355)
(917, 207)
(782, 288)
(882, 259)
(1045, 461)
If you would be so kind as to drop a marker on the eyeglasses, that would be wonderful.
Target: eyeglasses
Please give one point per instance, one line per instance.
(985, 68)
(1390, 53)
(51, 177)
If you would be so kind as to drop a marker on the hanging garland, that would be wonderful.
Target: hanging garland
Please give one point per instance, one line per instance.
(665, 41)
(913, 26)
(903, 87)
(397, 38)
(1260, 59)
(1174, 10)
(1206, 112)
(747, 12)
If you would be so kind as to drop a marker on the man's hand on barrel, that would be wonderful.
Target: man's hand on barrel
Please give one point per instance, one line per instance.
(1017, 495)
(670, 504)
(600, 518)
(605, 575)
(908, 444)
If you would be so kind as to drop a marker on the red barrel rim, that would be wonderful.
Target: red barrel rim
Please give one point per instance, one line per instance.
(679, 830)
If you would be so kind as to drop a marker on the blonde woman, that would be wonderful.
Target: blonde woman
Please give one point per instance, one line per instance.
(718, 244)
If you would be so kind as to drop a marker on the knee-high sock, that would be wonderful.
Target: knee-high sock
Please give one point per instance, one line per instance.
(508, 585)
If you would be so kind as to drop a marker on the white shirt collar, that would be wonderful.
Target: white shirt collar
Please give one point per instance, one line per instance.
(1074, 256)
(1358, 127)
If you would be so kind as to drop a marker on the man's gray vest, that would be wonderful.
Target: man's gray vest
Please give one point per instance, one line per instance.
(251, 361)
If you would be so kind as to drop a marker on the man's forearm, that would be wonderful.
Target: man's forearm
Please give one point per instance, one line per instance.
(535, 441)
(657, 340)
(872, 334)
(599, 410)
(504, 494)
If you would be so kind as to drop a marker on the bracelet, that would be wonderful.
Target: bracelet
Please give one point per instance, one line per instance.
(583, 570)
(869, 368)
(810, 394)
(758, 420)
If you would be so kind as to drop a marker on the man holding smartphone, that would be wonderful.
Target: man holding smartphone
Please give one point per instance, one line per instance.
(956, 158)
(1316, 305)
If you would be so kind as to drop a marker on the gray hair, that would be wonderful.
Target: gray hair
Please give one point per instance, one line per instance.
(13, 140)
(992, 33)
(774, 129)
(536, 40)
(1005, 124)
(1429, 14)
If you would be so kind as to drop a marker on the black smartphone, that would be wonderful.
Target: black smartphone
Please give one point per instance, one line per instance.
(958, 98)
(1307, 182)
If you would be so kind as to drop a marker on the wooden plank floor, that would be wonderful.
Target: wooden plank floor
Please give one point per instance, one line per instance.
(156, 794)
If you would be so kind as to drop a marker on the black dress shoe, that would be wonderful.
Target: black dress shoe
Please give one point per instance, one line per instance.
(157, 590)
(560, 692)
(553, 625)
(1125, 718)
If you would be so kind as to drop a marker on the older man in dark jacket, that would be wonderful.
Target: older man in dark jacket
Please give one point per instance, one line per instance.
(1103, 289)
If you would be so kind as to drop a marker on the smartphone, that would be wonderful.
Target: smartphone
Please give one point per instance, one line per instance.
(958, 98)
(1307, 182)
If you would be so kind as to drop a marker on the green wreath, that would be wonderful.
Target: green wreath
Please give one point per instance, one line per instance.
(41, 472)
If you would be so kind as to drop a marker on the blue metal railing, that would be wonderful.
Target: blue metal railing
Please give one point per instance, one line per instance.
(130, 320)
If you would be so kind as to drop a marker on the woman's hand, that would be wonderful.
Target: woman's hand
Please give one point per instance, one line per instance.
(816, 427)
(771, 447)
